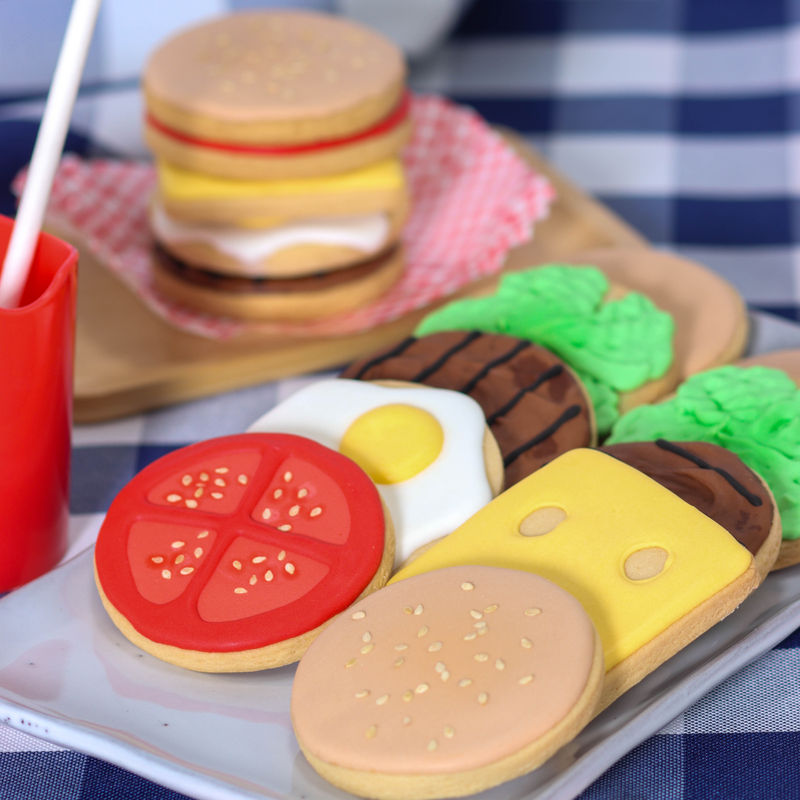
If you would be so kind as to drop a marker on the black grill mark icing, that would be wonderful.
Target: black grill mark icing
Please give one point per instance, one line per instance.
(489, 366)
(671, 447)
(571, 412)
(395, 351)
(548, 374)
(445, 357)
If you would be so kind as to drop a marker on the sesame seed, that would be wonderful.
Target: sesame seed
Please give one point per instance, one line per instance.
(190, 503)
(302, 493)
(350, 663)
(367, 648)
(483, 698)
(157, 559)
(203, 534)
(204, 476)
(464, 682)
(371, 732)
(401, 646)
(217, 495)
(449, 731)
(315, 512)
(198, 551)
(177, 545)
(166, 574)
(240, 590)
(187, 570)
(290, 568)
(481, 657)
(382, 700)
(174, 498)
(418, 609)
(266, 513)
(467, 586)
(221, 470)
(532, 612)
(179, 559)
(258, 559)
(219, 482)
(475, 614)
(236, 564)
(277, 494)
(362, 694)
(434, 647)
(294, 511)
(440, 666)
(359, 614)
(525, 680)
(398, 662)
(470, 636)
(406, 720)
(499, 664)
(281, 555)
(526, 643)
(287, 476)
(252, 580)
(366, 637)
(268, 576)
(422, 688)
(242, 479)
(423, 631)
(491, 609)
(285, 527)
(408, 696)
(432, 745)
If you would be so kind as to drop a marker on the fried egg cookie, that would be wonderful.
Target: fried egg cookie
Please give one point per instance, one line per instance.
(231, 554)
(533, 404)
(194, 197)
(718, 483)
(293, 250)
(276, 94)
(619, 344)
(652, 571)
(302, 298)
(446, 684)
(428, 450)
(752, 411)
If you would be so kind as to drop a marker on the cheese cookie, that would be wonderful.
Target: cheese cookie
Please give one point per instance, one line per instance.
(446, 684)
(652, 571)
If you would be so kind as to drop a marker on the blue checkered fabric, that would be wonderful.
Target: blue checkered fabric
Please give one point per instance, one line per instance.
(681, 115)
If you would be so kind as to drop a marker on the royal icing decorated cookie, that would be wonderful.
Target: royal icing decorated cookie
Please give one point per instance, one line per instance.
(617, 342)
(752, 411)
(280, 192)
(276, 94)
(428, 450)
(446, 684)
(533, 404)
(260, 298)
(652, 571)
(229, 555)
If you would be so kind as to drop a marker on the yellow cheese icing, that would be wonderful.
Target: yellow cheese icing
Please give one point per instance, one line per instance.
(178, 184)
(635, 555)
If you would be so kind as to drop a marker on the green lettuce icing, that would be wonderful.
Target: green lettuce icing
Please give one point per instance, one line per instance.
(614, 347)
(753, 411)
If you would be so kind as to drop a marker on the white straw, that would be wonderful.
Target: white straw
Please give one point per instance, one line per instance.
(47, 150)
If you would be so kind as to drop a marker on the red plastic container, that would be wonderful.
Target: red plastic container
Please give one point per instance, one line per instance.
(36, 359)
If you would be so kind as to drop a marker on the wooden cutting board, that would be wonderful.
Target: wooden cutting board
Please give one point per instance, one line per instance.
(128, 360)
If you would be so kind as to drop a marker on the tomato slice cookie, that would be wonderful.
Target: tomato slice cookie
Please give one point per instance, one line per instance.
(230, 555)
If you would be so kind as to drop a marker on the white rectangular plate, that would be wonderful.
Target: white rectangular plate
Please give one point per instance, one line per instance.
(68, 676)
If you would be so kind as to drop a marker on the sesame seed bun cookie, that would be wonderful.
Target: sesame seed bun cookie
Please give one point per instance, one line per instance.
(276, 94)
(259, 298)
(446, 684)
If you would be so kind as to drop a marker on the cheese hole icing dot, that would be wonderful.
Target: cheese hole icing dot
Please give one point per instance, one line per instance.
(393, 443)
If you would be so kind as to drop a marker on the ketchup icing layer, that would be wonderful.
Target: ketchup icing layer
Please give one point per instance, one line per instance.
(613, 346)
(367, 234)
(752, 411)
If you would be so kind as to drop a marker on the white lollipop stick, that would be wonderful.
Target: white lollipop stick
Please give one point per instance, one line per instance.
(47, 150)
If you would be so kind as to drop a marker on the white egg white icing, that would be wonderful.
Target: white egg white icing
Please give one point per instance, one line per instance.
(436, 500)
(366, 233)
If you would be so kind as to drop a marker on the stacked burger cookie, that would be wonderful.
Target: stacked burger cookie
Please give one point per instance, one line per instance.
(280, 192)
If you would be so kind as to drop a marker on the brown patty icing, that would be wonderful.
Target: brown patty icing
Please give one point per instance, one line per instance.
(240, 284)
(533, 404)
(709, 477)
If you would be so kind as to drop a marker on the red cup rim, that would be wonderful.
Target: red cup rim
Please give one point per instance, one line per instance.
(60, 276)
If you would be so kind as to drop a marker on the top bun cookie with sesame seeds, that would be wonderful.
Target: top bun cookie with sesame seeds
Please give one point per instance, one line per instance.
(276, 94)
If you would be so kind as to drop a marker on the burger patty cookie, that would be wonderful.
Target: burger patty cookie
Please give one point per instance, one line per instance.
(446, 684)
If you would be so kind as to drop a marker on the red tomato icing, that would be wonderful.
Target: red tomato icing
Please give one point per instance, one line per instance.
(397, 115)
(240, 542)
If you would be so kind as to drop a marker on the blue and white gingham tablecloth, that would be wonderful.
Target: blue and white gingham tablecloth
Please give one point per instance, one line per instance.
(682, 115)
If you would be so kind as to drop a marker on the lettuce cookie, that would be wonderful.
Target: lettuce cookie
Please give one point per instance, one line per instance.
(617, 342)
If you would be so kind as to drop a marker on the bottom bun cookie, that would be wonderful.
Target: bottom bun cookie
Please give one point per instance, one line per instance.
(304, 298)
(447, 684)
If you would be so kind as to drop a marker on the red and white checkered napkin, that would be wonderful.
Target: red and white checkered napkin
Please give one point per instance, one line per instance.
(473, 199)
